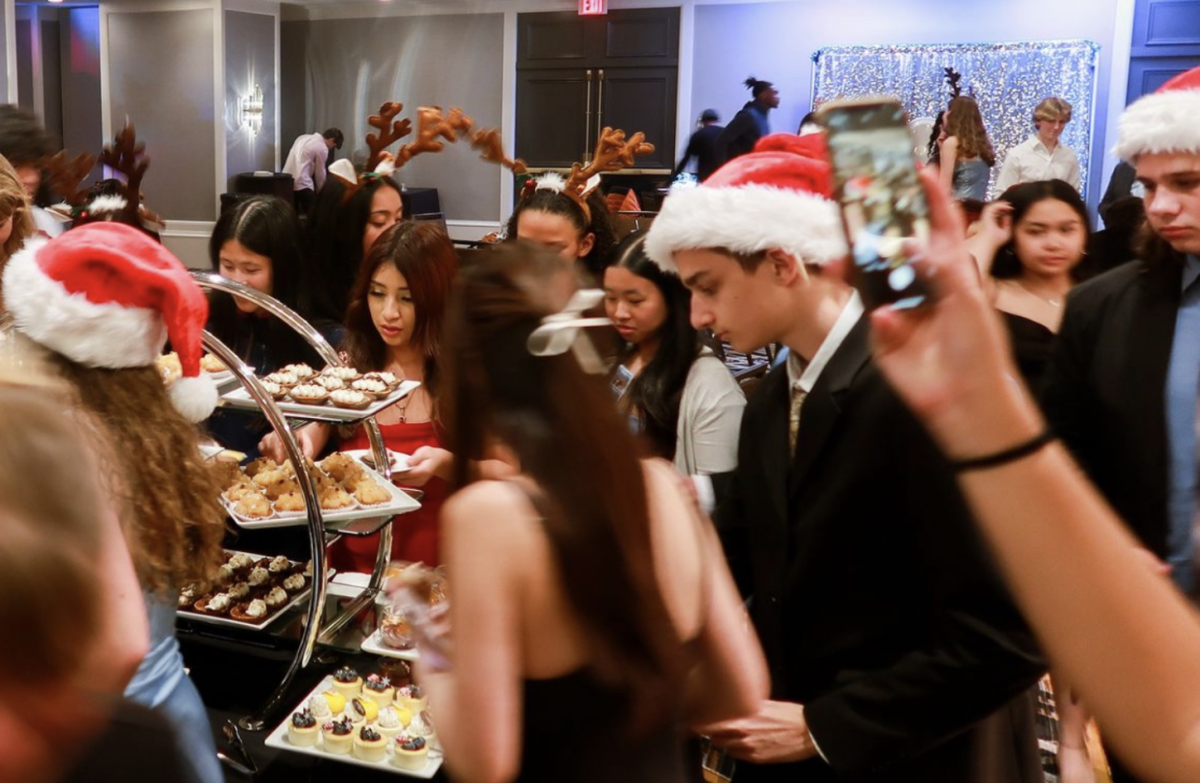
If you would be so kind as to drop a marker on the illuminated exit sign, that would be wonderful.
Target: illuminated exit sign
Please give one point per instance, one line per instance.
(593, 7)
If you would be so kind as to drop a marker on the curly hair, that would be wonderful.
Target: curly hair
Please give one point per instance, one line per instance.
(966, 125)
(599, 225)
(167, 497)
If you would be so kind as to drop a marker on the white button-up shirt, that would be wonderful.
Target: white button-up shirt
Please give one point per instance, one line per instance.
(306, 162)
(1031, 161)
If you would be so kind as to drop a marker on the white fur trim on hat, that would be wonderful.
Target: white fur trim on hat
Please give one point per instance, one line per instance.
(1160, 122)
(195, 398)
(747, 219)
(96, 335)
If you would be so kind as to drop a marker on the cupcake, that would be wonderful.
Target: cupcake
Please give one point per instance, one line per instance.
(369, 745)
(309, 394)
(347, 682)
(389, 723)
(410, 753)
(348, 398)
(318, 705)
(362, 710)
(421, 725)
(370, 386)
(337, 736)
(302, 729)
(412, 697)
(379, 689)
(335, 700)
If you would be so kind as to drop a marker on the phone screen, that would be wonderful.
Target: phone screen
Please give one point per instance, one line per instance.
(881, 198)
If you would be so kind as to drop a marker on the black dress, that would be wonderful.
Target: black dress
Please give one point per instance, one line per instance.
(1031, 343)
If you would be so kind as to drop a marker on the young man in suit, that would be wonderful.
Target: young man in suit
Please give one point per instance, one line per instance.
(895, 652)
(1121, 386)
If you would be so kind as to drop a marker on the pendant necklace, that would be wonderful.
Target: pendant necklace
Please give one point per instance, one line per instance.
(1056, 303)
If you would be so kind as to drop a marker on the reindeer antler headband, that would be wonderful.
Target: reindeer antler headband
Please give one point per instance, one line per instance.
(127, 156)
(613, 153)
(434, 130)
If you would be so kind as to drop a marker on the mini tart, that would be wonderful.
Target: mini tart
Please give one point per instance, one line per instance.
(347, 682)
(369, 745)
(370, 386)
(259, 577)
(239, 591)
(276, 391)
(301, 371)
(344, 373)
(210, 363)
(219, 604)
(337, 737)
(309, 394)
(388, 378)
(295, 583)
(279, 565)
(187, 597)
(379, 690)
(302, 729)
(253, 612)
(329, 382)
(410, 753)
(369, 493)
(276, 598)
(348, 398)
(284, 379)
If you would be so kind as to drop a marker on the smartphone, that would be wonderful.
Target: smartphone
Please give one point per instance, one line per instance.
(881, 198)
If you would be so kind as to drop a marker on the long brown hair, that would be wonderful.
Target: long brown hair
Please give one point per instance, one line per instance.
(167, 497)
(15, 203)
(570, 440)
(424, 254)
(966, 124)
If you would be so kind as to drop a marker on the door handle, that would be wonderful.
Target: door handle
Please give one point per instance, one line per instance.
(587, 123)
(600, 106)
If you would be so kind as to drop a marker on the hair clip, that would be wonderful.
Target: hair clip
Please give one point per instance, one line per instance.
(560, 332)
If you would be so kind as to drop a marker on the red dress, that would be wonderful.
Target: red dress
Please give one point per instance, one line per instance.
(414, 535)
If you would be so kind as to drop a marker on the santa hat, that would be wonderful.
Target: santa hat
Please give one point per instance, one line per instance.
(107, 295)
(777, 196)
(1167, 120)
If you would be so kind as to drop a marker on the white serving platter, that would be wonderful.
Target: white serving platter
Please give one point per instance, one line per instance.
(279, 739)
(240, 399)
(228, 621)
(374, 644)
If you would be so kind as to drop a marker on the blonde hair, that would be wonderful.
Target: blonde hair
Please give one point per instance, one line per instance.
(1052, 109)
(14, 202)
(49, 538)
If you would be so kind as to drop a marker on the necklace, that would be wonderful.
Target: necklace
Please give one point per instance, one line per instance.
(1051, 302)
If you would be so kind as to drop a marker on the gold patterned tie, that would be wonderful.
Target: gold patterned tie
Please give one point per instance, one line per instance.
(798, 396)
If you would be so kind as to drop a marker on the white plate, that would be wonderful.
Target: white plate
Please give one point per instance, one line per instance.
(191, 614)
(367, 458)
(401, 503)
(374, 644)
(278, 739)
(240, 398)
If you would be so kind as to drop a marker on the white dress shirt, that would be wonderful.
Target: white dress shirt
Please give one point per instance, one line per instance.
(1031, 161)
(306, 162)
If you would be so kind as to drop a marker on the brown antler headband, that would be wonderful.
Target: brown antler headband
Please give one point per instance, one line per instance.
(613, 153)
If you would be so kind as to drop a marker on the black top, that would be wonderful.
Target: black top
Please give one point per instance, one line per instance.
(592, 744)
(1031, 344)
(703, 147)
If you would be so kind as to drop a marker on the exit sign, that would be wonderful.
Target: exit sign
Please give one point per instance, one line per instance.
(593, 7)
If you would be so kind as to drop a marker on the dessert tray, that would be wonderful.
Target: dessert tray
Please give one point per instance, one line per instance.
(399, 461)
(239, 398)
(397, 501)
(374, 644)
(279, 739)
(190, 612)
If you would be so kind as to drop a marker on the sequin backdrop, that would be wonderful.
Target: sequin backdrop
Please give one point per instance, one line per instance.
(1007, 79)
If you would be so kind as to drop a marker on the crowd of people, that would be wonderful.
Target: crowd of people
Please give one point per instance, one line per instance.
(914, 515)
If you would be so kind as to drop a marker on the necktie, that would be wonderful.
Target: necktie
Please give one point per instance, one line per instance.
(798, 396)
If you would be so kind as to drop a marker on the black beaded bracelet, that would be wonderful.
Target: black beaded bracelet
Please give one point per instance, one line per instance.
(1006, 456)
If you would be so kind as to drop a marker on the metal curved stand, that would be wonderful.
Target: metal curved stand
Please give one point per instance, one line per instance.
(316, 524)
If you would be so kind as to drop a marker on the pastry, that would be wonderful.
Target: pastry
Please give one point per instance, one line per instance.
(239, 591)
(389, 724)
(275, 483)
(348, 398)
(347, 682)
(403, 714)
(395, 632)
(253, 505)
(369, 493)
(370, 386)
(329, 383)
(363, 710)
(302, 729)
(412, 697)
(218, 604)
(294, 583)
(242, 487)
(259, 465)
(276, 598)
(290, 502)
(379, 689)
(343, 373)
(210, 363)
(301, 371)
(409, 753)
(187, 597)
(335, 498)
(388, 378)
(309, 394)
(241, 562)
(337, 464)
(252, 612)
(369, 745)
(279, 565)
(169, 367)
(336, 735)
(225, 574)
(284, 379)
(335, 700)
(354, 476)
(318, 705)
(259, 577)
(276, 391)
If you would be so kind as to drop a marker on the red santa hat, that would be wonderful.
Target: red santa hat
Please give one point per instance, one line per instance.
(1167, 120)
(107, 295)
(777, 196)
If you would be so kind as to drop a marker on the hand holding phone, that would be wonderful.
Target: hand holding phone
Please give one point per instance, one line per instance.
(882, 201)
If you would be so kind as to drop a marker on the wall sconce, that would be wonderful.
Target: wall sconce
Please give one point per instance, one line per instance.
(250, 111)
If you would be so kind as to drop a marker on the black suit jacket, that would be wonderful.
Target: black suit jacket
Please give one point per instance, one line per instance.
(874, 598)
(1104, 389)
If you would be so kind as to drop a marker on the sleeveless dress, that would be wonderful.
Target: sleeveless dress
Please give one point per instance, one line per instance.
(162, 685)
(414, 535)
(971, 180)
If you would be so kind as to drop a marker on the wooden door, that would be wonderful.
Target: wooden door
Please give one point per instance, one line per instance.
(554, 116)
(640, 99)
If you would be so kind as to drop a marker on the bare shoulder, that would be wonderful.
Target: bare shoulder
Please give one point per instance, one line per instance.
(491, 512)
